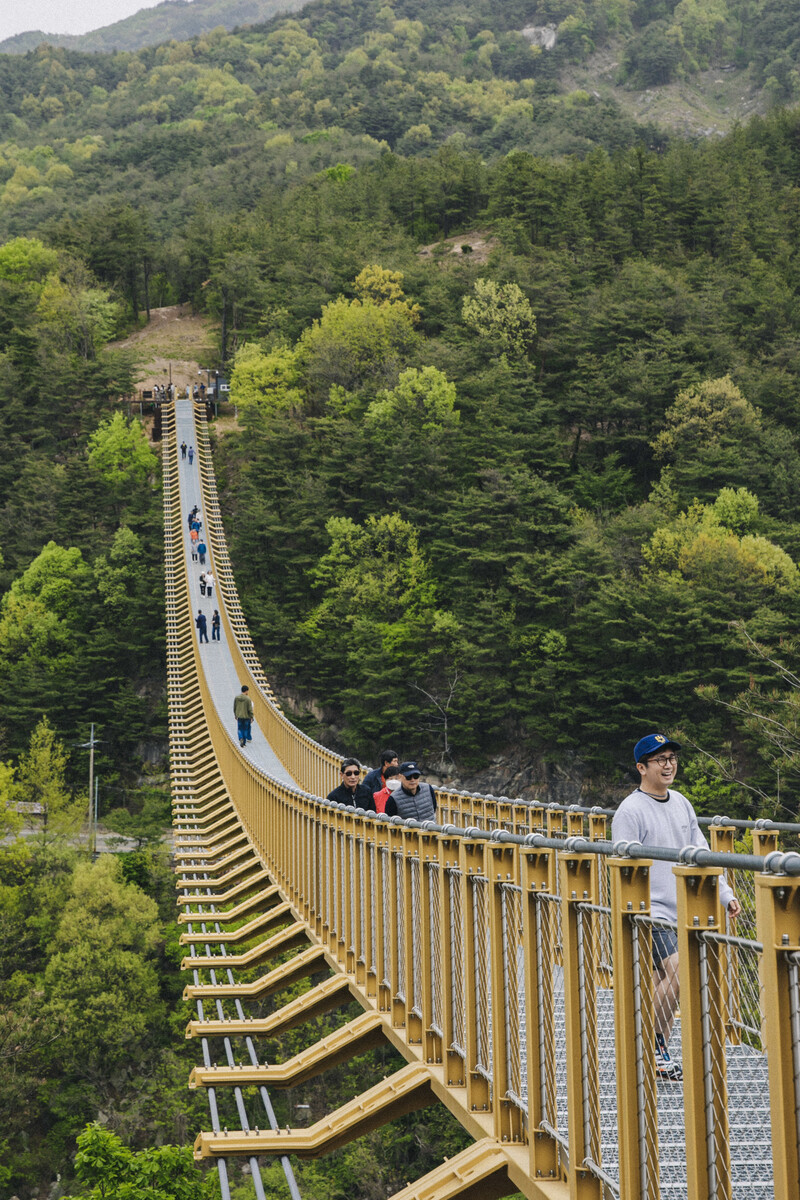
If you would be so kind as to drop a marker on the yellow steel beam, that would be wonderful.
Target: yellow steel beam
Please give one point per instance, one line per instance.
(197, 859)
(294, 937)
(222, 897)
(296, 968)
(477, 1173)
(405, 1091)
(244, 933)
(343, 1044)
(211, 850)
(250, 957)
(778, 908)
(229, 914)
(242, 868)
(332, 993)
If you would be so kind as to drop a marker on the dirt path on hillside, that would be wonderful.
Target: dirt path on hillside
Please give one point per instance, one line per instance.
(176, 344)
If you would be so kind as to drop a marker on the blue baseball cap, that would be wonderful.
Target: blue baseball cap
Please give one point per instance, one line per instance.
(651, 743)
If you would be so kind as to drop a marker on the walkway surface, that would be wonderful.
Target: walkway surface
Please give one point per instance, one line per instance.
(215, 657)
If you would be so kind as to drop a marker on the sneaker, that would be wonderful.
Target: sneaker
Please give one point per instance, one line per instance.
(241, 742)
(666, 1067)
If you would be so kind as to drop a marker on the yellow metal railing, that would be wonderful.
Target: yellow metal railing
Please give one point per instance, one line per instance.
(513, 973)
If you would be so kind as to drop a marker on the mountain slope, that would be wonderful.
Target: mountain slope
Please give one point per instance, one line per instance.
(174, 20)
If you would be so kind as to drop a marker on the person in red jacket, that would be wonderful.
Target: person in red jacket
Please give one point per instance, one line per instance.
(392, 777)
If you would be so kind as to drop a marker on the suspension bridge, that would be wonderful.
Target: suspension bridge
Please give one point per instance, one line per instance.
(504, 951)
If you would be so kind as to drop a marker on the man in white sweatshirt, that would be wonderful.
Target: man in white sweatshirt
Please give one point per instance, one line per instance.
(657, 815)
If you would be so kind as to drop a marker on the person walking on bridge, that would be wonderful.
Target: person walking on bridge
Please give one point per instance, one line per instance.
(215, 623)
(202, 625)
(209, 581)
(657, 815)
(375, 779)
(191, 455)
(243, 711)
(350, 790)
(183, 449)
(412, 799)
(202, 550)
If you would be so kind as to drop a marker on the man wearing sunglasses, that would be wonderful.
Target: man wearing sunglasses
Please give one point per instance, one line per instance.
(412, 799)
(657, 815)
(351, 791)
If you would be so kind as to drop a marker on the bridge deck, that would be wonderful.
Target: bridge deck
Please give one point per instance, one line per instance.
(216, 657)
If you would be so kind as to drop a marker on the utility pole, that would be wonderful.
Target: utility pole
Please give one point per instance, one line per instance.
(90, 745)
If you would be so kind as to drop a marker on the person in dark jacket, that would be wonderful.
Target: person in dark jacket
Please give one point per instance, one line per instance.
(412, 799)
(350, 791)
(376, 778)
(202, 626)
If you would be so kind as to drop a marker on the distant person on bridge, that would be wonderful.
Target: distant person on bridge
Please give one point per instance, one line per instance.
(392, 778)
(656, 815)
(183, 449)
(194, 538)
(350, 790)
(412, 799)
(191, 455)
(202, 582)
(209, 581)
(215, 626)
(202, 550)
(376, 778)
(243, 711)
(202, 625)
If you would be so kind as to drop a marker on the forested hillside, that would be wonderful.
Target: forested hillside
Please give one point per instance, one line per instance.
(582, 475)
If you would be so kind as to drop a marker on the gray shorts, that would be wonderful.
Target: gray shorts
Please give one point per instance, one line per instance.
(665, 944)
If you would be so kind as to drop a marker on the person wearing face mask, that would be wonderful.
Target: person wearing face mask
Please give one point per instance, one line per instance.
(657, 815)
(391, 777)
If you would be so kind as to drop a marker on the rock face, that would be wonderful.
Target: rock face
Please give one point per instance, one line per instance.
(541, 35)
(516, 775)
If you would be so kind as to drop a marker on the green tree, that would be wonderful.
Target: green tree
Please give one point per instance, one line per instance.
(108, 1170)
(355, 344)
(42, 782)
(422, 400)
(119, 452)
(101, 985)
(501, 314)
(267, 380)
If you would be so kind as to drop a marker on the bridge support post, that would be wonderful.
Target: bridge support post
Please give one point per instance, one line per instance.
(705, 1088)
(779, 933)
(578, 876)
(398, 971)
(451, 927)
(476, 973)
(538, 877)
(411, 865)
(507, 981)
(634, 1033)
(430, 900)
(383, 940)
(722, 841)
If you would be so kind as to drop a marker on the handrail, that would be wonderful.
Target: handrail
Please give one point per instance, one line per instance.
(501, 965)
